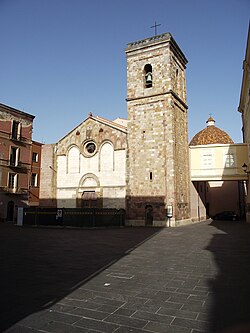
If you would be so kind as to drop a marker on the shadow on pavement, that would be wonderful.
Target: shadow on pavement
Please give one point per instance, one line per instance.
(231, 288)
(39, 266)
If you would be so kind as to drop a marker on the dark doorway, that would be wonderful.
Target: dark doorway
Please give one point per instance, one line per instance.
(10, 211)
(148, 215)
(89, 199)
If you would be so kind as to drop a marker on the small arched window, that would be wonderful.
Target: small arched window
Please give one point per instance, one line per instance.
(148, 76)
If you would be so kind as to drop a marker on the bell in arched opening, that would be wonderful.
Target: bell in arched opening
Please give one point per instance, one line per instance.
(148, 76)
(149, 79)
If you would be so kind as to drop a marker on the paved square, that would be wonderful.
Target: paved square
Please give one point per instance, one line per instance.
(188, 279)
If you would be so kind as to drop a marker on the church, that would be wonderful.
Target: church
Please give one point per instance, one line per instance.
(140, 164)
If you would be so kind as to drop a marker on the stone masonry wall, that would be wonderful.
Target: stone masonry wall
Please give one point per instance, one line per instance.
(47, 176)
(157, 155)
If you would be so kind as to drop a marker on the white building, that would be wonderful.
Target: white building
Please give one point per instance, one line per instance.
(87, 166)
(218, 179)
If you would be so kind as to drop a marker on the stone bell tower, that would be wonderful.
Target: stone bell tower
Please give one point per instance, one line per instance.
(158, 177)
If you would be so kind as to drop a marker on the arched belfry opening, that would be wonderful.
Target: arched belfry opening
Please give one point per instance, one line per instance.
(148, 76)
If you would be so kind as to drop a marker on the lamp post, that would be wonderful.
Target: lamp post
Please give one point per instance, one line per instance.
(246, 170)
(244, 167)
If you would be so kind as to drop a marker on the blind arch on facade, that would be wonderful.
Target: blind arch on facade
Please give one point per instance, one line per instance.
(107, 157)
(73, 160)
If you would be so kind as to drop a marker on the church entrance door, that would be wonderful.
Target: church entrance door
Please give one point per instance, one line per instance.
(89, 199)
(148, 215)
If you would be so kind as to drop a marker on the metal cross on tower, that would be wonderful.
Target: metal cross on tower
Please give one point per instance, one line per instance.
(155, 26)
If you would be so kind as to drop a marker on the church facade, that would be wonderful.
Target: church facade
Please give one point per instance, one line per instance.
(140, 164)
(91, 165)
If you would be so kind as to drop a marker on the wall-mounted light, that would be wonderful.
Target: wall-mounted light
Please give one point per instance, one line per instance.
(52, 168)
(245, 168)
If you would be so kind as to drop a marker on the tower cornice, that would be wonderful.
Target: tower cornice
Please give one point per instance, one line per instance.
(156, 40)
(157, 95)
(149, 40)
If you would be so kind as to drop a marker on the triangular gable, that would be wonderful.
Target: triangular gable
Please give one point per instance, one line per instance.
(100, 120)
(111, 123)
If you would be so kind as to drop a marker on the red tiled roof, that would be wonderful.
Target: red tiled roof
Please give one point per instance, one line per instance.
(108, 122)
(211, 135)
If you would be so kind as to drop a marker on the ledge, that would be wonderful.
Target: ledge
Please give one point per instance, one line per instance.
(160, 94)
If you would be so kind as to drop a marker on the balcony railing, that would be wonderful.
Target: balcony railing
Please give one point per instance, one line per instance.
(13, 190)
(19, 138)
(18, 165)
(16, 138)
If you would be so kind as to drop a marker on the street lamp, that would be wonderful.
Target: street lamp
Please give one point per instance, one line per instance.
(244, 167)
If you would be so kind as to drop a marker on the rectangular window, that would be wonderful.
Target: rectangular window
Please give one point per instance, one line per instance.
(34, 180)
(207, 160)
(229, 162)
(34, 157)
(14, 156)
(13, 181)
(16, 127)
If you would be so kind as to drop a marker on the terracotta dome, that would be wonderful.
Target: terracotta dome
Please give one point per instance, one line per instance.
(211, 135)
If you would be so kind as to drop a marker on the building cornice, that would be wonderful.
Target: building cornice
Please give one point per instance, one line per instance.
(9, 109)
(156, 40)
(169, 92)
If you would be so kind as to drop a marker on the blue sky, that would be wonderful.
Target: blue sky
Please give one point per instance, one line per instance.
(61, 59)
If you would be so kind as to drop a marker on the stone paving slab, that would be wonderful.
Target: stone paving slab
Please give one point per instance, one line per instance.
(190, 279)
